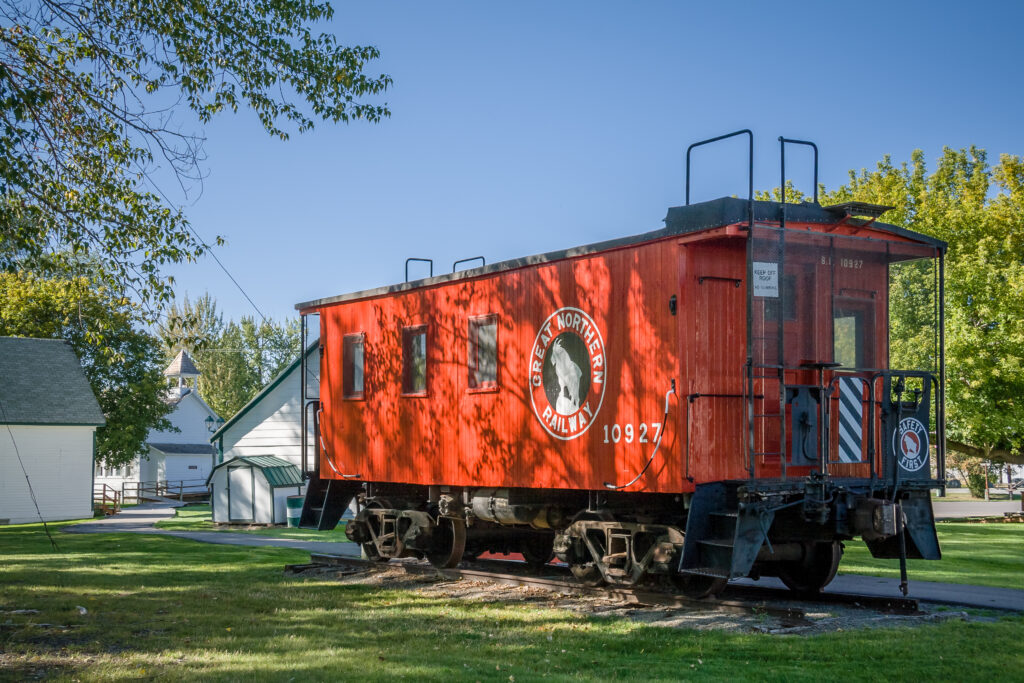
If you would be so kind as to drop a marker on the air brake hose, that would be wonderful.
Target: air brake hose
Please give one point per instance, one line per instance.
(657, 445)
(320, 436)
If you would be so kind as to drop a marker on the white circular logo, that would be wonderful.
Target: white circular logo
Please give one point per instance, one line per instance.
(567, 372)
(910, 443)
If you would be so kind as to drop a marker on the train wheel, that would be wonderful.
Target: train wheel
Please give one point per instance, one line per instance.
(583, 566)
(449, 543)
(815, 571)
(537, 551)
(369, 547)
(587, 573)
(370, 550)
(698, 586)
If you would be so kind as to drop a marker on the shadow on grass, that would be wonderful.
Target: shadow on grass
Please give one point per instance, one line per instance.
(171, 608)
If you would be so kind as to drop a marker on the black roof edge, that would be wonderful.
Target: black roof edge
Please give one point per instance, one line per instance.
(680, 220)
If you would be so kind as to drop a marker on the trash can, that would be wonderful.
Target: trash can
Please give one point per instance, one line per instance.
(293, 510)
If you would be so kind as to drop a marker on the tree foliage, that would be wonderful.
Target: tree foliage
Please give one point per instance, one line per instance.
(122, 363)
(236, 359)
(979, 211)
(97, 104)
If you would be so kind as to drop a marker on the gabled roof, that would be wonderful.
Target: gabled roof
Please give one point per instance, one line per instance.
(292, 367)
(680, 220)
(279, 473)
(182, 448)
(173, 395)
(182, 365)
(42, 383)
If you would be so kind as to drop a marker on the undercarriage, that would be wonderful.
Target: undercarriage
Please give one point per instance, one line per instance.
(696, 542)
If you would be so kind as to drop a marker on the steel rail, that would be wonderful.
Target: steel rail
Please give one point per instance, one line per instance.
(737, 598)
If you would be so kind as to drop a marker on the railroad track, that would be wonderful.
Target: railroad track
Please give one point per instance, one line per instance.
(738, 599)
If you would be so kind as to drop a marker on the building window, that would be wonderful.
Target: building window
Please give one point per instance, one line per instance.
(354, 361)
(414, 360)
(483, 352)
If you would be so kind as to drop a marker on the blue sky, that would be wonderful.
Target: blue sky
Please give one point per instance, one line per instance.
(519, 128)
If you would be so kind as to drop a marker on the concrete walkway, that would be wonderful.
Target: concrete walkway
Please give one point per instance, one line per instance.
(925, 591)
(962, 509)
(142, 517)
(140, 520)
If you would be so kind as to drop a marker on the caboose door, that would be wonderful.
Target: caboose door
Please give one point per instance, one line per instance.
(712, 333)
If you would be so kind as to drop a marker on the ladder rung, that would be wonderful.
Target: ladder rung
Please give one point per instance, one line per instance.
(769, 415)
(767, 453)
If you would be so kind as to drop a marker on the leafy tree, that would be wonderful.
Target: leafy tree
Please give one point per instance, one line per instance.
(979, 211)
(98, 101)
(122, 363)
(236, 359)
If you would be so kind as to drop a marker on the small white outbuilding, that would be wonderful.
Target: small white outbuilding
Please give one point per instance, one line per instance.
(48, 422)
(253, 490)
(271, 423)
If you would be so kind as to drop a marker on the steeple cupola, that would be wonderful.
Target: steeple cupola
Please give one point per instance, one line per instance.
(183, 368)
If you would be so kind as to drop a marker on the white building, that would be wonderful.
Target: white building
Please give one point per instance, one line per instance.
(48, 421)
(182, 458)
(271, 423)
(253, 490)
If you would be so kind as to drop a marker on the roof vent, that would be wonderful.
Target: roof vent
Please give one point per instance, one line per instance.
(858, 209)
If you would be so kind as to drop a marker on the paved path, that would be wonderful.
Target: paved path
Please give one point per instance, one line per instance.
(925, 591)
(957, 510)
(141, 519)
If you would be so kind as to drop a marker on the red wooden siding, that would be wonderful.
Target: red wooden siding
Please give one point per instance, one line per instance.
(459, 436)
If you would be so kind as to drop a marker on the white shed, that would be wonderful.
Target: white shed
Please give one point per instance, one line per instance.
(253, 490)
(270, 424)
(49, 417)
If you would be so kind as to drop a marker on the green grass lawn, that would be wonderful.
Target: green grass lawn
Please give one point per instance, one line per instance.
(197, 518)
(168, 608)
(972, 553)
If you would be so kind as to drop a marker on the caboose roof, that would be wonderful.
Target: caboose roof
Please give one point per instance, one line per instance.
(680, 220)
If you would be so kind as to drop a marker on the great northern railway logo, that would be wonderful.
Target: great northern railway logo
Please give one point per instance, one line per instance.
(567, 371)
(910, 442)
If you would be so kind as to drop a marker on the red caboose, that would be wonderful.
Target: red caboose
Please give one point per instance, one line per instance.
(717, 398)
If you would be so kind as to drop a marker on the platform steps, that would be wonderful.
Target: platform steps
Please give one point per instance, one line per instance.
(722, 537)
(326, 501)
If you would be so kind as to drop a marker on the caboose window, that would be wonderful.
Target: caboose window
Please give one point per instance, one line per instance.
(414, 360)
(483, 352)
(353, 370)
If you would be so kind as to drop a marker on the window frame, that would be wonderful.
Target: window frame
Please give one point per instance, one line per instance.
(862, 312)
(473, 323)
(346, 386)
(408, 332)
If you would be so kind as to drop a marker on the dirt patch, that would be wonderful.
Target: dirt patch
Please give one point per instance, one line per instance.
(803, 618)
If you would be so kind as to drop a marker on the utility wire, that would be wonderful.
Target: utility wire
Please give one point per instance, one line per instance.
(31, 491)
(210, 250)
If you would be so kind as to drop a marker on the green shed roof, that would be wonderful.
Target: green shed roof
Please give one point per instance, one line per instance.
(279, 473)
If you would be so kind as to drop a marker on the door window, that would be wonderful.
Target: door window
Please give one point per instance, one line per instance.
(851, 336)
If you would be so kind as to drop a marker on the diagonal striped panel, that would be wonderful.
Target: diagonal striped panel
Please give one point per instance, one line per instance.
(851, 419)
